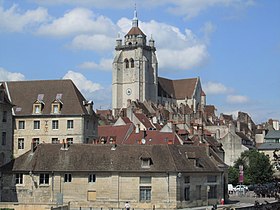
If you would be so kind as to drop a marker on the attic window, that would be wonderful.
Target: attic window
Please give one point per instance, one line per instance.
(38, 107)
(56, 107)
(146, 162)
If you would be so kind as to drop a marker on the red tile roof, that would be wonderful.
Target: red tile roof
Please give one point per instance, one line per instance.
(144, 120)
(153, 137)
(119, 133)
(135, 31)
(179, 89)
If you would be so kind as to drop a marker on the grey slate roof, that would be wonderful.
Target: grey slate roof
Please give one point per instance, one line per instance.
(24, 93)
(269, 146)
(124, 158)
(273, 134)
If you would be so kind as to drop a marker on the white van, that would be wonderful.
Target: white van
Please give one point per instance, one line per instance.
(230, 189)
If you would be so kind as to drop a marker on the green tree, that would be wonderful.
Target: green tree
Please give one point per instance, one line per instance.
(232, 175)
(256, 167)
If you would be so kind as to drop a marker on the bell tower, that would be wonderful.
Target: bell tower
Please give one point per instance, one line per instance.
(135, 69)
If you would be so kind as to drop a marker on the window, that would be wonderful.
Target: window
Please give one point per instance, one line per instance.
(44, 179)
(211, 179)
(91, 196)
(4, 116)
(126, 63)
(55, 141)
(70, 124)
(21, 124)
(87, 124)
(4, 138)
(69, 141)
(187, 179)
(131, 63)
(212, 193)
(36, 125)
(145, 180)
(146, 162)
(187, 193)
(19, 178)
(37, 107)
(198, 192)
(67, 177)
(55, 124)
(91, 178)
(145, 193)
(36, 142)
(21, 143)
(55, 108)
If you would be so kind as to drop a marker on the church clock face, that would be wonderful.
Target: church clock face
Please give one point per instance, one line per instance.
(128, 91)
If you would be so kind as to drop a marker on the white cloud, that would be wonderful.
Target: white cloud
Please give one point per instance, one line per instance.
(104, 65)
(91, 91)
(187, 8)
(83, 84)
(13, 20)
(215, 88)
(237, 99)
(78, 21)
(10, 76)
(98, 42)
(182, 59)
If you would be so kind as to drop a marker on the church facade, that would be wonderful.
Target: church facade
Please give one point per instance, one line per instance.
(135, 75)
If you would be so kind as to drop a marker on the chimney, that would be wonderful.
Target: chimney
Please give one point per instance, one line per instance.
(33, 146)
(137, 129)
(238, 126)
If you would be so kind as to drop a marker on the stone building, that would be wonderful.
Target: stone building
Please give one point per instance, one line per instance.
(135, 76)
(6, 127)
(49, 111)
(106, 176)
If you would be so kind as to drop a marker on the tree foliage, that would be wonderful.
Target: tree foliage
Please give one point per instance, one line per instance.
(256, 166)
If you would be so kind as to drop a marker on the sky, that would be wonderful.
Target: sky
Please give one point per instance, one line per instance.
(233, 46)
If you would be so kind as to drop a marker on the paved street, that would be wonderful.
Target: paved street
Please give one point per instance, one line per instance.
(236, 200)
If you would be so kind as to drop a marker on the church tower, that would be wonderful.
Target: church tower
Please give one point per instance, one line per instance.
(135, 69)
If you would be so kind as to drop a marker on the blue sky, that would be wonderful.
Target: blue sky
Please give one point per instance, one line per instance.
(232, 45)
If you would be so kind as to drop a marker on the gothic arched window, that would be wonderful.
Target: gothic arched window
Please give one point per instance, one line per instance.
(131, 63)
(126, 63)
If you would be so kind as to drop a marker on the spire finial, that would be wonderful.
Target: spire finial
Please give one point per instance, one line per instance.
(135, 19)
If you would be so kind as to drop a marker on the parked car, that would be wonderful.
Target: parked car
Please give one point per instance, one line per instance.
(230, 189)
(240, 188)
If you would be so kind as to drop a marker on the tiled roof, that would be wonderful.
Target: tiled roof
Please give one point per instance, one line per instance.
(273, 134)
(25, 93)
(105, 158)
(269, 146)
(135, 31)
(210, 110)
(179, 89)
(120, 132)
(144, 120)
(153, 137)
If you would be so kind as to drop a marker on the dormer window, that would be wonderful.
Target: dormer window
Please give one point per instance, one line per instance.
(56, 107)
(146, 162)
(38, 107)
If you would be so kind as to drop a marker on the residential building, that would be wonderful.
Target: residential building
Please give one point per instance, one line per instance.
(50, 111)
(106, 176)
(6, 127)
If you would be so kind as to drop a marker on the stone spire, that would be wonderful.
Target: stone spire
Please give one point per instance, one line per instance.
(135, 19)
